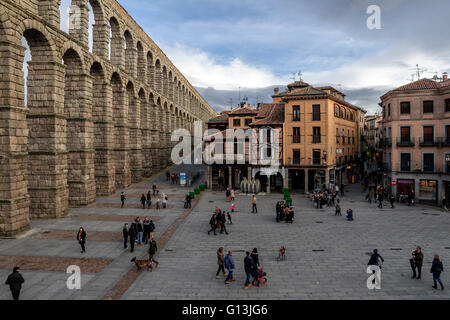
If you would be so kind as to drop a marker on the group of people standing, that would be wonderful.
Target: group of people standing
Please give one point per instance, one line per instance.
(251, 264)
(147, 200)
(218, 221)
(284, 212)
(139, 232)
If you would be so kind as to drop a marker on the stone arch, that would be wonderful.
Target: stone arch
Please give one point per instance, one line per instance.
(36, 27)
(72, 47)
(158, 76)
(130, 54)
(141, 63)
(165, 81)
(145, 134)
(99, 36)
(116, 50)
(150, 70)
(135, 135)
(79, 134)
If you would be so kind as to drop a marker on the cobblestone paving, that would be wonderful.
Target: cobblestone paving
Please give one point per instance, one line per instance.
(327, 255)
(50, 247)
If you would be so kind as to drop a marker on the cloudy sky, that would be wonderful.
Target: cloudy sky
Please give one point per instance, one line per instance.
(257, 44)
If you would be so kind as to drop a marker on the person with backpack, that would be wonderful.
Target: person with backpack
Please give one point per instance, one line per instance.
(229, 265)
(15, 281)
(436, 269)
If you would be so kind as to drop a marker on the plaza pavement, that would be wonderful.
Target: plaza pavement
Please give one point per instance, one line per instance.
(327, 255)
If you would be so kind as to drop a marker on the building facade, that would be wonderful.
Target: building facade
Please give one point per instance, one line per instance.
(416, 139)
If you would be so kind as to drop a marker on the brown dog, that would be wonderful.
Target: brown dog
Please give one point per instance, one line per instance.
(142, 263)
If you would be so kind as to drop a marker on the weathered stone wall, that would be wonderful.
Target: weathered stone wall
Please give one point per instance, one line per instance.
(92, 121)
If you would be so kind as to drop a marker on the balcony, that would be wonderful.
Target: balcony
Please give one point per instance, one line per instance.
(316, 139)
(430, 143)
(385, 142)
(295, 139)
(446, 142)
(405, 142)
(294, 162)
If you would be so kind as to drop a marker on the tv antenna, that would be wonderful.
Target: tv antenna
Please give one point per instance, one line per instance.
(300, 75)
(231, 103)
(418, 71)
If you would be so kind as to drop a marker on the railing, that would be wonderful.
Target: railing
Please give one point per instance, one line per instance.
(405, 142)
(430, 143)
(295, 139)
(316, 139)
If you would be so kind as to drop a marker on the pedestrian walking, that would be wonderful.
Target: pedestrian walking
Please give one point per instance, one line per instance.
(436, 269)
(164, 201)
(132, 233)
(232, 207)
(254, 208)
(15, 281)
(229, 218)
(151, 252)
(221, 221)
(81, 237)
(232, 194)
(411, 198)
(375, 260)
(220, 262)
(380, 200)
(167, 175)
(444, 203)
(154, 189)
(229, 265)
(152, 228)
(338, 209)
(249, 267)
(140, 230)
(146, 225)
(143, 201)
(125, 235)
(122, 198)
(158, 205)
(212, 223)
(416, 263)
(392, 200)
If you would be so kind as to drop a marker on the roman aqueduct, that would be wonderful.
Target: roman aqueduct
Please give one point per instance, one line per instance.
(94, 120)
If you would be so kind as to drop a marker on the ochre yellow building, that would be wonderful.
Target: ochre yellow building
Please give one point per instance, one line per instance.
(321, 136)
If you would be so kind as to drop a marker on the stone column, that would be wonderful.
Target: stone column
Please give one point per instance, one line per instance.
(49, 11)
(327, 178)
(80, 139)
(101, 40)
(79, 27)
(230, 181)
(103, 139)
(121, 138)
(47, 153)
(306, 180)
(268, 184)
(131, 61)
(14, 198)
(286, 178)
(146, 139)
(135, 142)
(117, 51)
(162, 138)
(249, 173)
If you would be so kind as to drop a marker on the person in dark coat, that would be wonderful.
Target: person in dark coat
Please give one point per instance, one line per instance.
(152, 251)
(392, 200)
(154, 189)
(122, 198)
(436, 269)
(125, 236)
(249, 266)
(140, 230)
(220, 261)
(222, 220)
(15, 281)
(146, 230)
(143, 201)
(212, 223)
(151, 228)
(132, 233)
(255, 256)
(81, 237)
(149, 199)
(416, 262)
(375, 260)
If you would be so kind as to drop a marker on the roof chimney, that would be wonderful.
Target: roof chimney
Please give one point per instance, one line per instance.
(275, 91)
(444, 76)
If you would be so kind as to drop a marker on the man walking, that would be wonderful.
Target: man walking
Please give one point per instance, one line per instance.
(229, 265)
(146, 230)
(15, 281)
(122, 198)
(416, 262)
(140, 230)
(151, 228)
(125, 236)
(254, 208)
(249, 266)
(154, 189)
(149, 199)
(380, 200)
(152, 251)
(392, 200)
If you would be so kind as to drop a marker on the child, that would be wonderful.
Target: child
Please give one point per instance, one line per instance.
(229, 218)
(350, 215)
(282, 253)
(232, 207)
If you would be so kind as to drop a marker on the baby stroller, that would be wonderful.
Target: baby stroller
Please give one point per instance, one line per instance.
(260, 277)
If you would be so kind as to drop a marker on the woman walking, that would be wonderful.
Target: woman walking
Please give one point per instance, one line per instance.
(81, 237)
(220, 259)
(255, 256)
(436, 269)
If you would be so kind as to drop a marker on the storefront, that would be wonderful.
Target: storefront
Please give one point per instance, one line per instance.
(405, 186)
(428, 190)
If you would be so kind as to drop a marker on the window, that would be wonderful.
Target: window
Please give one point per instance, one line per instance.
(405, 107)
(236, 122)
(428, 162)
(389, 109)
(296, 113)
(336, 110)
(316, 156)
(347, 115)
(447, 134)
(428, 106)
(268, 136)
(447, 105)
(341, 113)
(447, 162)
(296, 135)
(247, 122)
(296, 156)
(428, 134)
(316, 134)
(405, 162)
(316, 112)
(405, 134)
(269, 152)
(352, 116)
(235, 146)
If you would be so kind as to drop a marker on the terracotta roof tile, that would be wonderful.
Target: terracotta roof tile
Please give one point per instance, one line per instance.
(274, 114)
